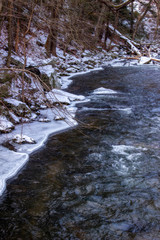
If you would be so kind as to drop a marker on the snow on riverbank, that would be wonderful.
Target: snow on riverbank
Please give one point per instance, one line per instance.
(12, 161)
(13, 156)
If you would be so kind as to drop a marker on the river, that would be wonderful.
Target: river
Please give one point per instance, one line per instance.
(100, 180)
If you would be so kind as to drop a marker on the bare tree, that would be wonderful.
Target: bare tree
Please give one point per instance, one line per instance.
(141, 17)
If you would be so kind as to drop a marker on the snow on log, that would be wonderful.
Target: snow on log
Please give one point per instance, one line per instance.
(144, 60)
(58, 118)
(44, 119)
(128, 41)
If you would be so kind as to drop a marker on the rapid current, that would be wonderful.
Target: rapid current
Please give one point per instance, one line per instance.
(100, 180)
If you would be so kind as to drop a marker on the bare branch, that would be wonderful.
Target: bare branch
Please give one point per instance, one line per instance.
(114, 6)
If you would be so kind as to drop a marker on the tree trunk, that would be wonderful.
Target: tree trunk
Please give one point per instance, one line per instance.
(0, 6)
(115, 27)
(99, 26)
(107, 32)
(51, 42)
(141, 18)
(10, 39)
(17, 29)
(158, 19)
(132, 19)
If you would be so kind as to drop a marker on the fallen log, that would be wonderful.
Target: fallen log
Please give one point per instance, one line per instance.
(143, 59)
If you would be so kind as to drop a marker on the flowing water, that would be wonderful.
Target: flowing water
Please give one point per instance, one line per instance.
(100, 180)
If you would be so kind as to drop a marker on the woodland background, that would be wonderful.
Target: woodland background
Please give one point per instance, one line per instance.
(75, 24)
(34, 32)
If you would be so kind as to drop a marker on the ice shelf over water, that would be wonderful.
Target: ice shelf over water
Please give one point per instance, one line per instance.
(12, 161)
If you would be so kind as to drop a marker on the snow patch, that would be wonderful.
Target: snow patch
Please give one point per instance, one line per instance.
(20, 138)
(5, 125)
(58, 118)
(59, 96)
(144, 60)
(48, 69)
(13, 101)
(14, 117)
(71, 96)
(54, 97)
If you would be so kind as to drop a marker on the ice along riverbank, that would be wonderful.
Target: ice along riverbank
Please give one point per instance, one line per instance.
(13, 156)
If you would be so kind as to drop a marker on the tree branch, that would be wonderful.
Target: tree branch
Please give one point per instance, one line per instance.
(115, 7)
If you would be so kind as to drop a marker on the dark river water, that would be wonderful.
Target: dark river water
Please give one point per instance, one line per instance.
(100, 180)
